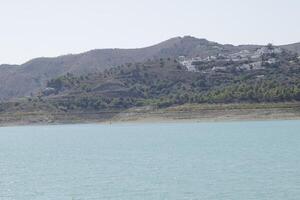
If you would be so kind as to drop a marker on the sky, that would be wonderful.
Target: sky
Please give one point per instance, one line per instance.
(47, 28)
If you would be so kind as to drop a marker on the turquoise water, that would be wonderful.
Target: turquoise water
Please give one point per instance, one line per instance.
(210, 161)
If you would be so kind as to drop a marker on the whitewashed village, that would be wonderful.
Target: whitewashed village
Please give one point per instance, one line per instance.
(268, 56)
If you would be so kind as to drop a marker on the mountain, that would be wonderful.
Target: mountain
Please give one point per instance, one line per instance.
(30, 77)
(269, 74)
(262, 80)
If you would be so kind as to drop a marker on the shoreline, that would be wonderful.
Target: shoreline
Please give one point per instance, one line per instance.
(149, 121)
(178, 114)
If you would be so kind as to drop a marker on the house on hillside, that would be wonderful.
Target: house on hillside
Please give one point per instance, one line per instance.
(219, 69)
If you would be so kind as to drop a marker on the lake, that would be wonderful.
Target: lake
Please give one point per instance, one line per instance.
(163, 161)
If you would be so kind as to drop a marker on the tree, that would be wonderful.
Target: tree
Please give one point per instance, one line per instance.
(270, 46)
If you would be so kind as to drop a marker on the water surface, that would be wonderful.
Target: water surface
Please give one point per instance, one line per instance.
(174, 161)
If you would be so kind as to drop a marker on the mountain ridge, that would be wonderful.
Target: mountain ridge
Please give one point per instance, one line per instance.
(292, 47)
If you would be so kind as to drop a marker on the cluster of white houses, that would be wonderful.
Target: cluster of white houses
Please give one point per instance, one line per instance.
(252, 60)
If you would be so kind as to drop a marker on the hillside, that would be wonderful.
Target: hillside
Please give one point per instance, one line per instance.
(292, 47)
(269, 74)
(264, 77)
(28, 78)
(266, 80)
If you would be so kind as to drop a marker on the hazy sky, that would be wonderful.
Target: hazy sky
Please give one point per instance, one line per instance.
(35, 28)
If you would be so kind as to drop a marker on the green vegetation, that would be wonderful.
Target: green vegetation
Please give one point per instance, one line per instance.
(161, 83)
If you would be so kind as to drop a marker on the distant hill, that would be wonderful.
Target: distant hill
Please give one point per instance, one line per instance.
(269, 74)
(32, 76)
(258, 80)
